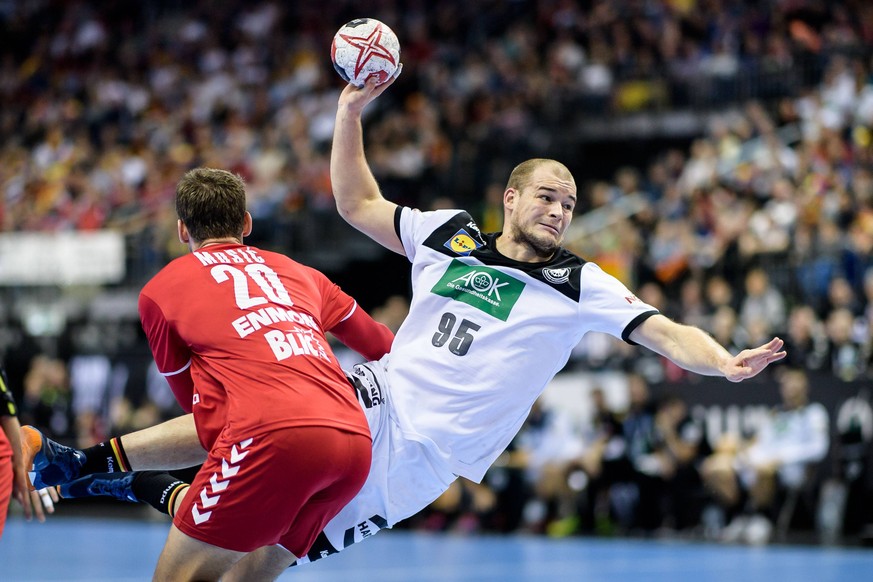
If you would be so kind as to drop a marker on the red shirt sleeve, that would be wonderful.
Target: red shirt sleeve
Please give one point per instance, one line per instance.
(364, 334)
(344, 318)
(171, 353)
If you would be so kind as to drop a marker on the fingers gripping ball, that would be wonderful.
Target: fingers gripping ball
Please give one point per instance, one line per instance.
(365, 48)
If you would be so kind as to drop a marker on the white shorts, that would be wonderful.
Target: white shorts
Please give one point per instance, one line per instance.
(403, 480)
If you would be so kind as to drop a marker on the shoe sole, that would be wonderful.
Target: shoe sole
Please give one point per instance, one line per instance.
(31, 446)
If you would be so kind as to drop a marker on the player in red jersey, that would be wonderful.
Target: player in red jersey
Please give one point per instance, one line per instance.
(239, 333)
(13, 473)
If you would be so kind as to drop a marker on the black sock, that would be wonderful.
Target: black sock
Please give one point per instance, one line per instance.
(106, 457)
(157, 488)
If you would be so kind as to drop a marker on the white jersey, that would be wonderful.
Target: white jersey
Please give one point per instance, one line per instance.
(485, 334)
(793, 439)
(483, 337)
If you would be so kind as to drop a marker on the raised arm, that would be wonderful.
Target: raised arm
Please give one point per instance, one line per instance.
(355, 190)
(694, 350)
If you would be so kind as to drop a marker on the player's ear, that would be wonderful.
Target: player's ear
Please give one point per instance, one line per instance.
(509, 197)
(182, 231)
(247, 224)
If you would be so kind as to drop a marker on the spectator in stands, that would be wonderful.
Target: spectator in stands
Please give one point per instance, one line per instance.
(763, 303)
(656, 485)
(547, 447)
(465, 507)
(815, 260)
(867, 298)
(841, 295)
(806, 339)
(602, 462)
(727, 330)
(639, 491)
(744, 477)
(719, 293)
(679, 448)
(692, 308)
(848, 354)
(48, 401)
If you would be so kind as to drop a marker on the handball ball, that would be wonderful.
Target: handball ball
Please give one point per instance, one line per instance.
(365, 48)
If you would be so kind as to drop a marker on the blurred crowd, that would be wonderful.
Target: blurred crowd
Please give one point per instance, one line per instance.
(652, 469)
(105, 104)
(762, 226)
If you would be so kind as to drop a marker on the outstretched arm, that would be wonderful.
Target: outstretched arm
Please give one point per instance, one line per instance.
(357, 194)
(694, 350)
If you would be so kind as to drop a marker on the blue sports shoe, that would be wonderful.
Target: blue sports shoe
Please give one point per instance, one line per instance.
(49, 463)
(117, 485)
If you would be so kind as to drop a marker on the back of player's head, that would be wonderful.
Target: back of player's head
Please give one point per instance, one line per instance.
(211, 203)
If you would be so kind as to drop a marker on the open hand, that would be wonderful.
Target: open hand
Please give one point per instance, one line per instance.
(35, 503)
(751, 362)
(43, 501)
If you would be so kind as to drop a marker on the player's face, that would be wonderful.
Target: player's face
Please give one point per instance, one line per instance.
(542, 211)
(793, 389)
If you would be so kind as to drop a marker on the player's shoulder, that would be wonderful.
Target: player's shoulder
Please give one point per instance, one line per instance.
(299, 273)
(452, 232)
(172, 271)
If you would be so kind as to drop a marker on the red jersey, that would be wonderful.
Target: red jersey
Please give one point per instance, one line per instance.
(7, 408)
(248, 326)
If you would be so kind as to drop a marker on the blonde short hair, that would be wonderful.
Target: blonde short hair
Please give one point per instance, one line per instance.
(521, 174)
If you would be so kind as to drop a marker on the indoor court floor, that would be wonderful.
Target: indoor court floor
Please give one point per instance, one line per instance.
(94, 550)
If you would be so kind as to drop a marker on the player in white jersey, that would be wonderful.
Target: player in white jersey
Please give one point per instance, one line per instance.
(744, 476)
(493, 318)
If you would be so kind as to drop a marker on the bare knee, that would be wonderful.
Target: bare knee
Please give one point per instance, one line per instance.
(184, 558)
(263, 564)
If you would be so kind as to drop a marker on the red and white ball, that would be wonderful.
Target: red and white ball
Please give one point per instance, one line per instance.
(365, 48)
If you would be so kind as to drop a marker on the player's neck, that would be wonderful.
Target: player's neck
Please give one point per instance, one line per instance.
(518, 251)
(216, 241)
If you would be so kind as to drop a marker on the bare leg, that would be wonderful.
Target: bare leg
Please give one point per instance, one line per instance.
(185, 558)
(267, 563)
(719, 477)
(170, 445)
(764, 489)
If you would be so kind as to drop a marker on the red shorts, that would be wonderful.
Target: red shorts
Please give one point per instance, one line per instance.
(7, 478)
(280, 487)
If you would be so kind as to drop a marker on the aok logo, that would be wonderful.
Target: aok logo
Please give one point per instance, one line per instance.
(489, 290)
